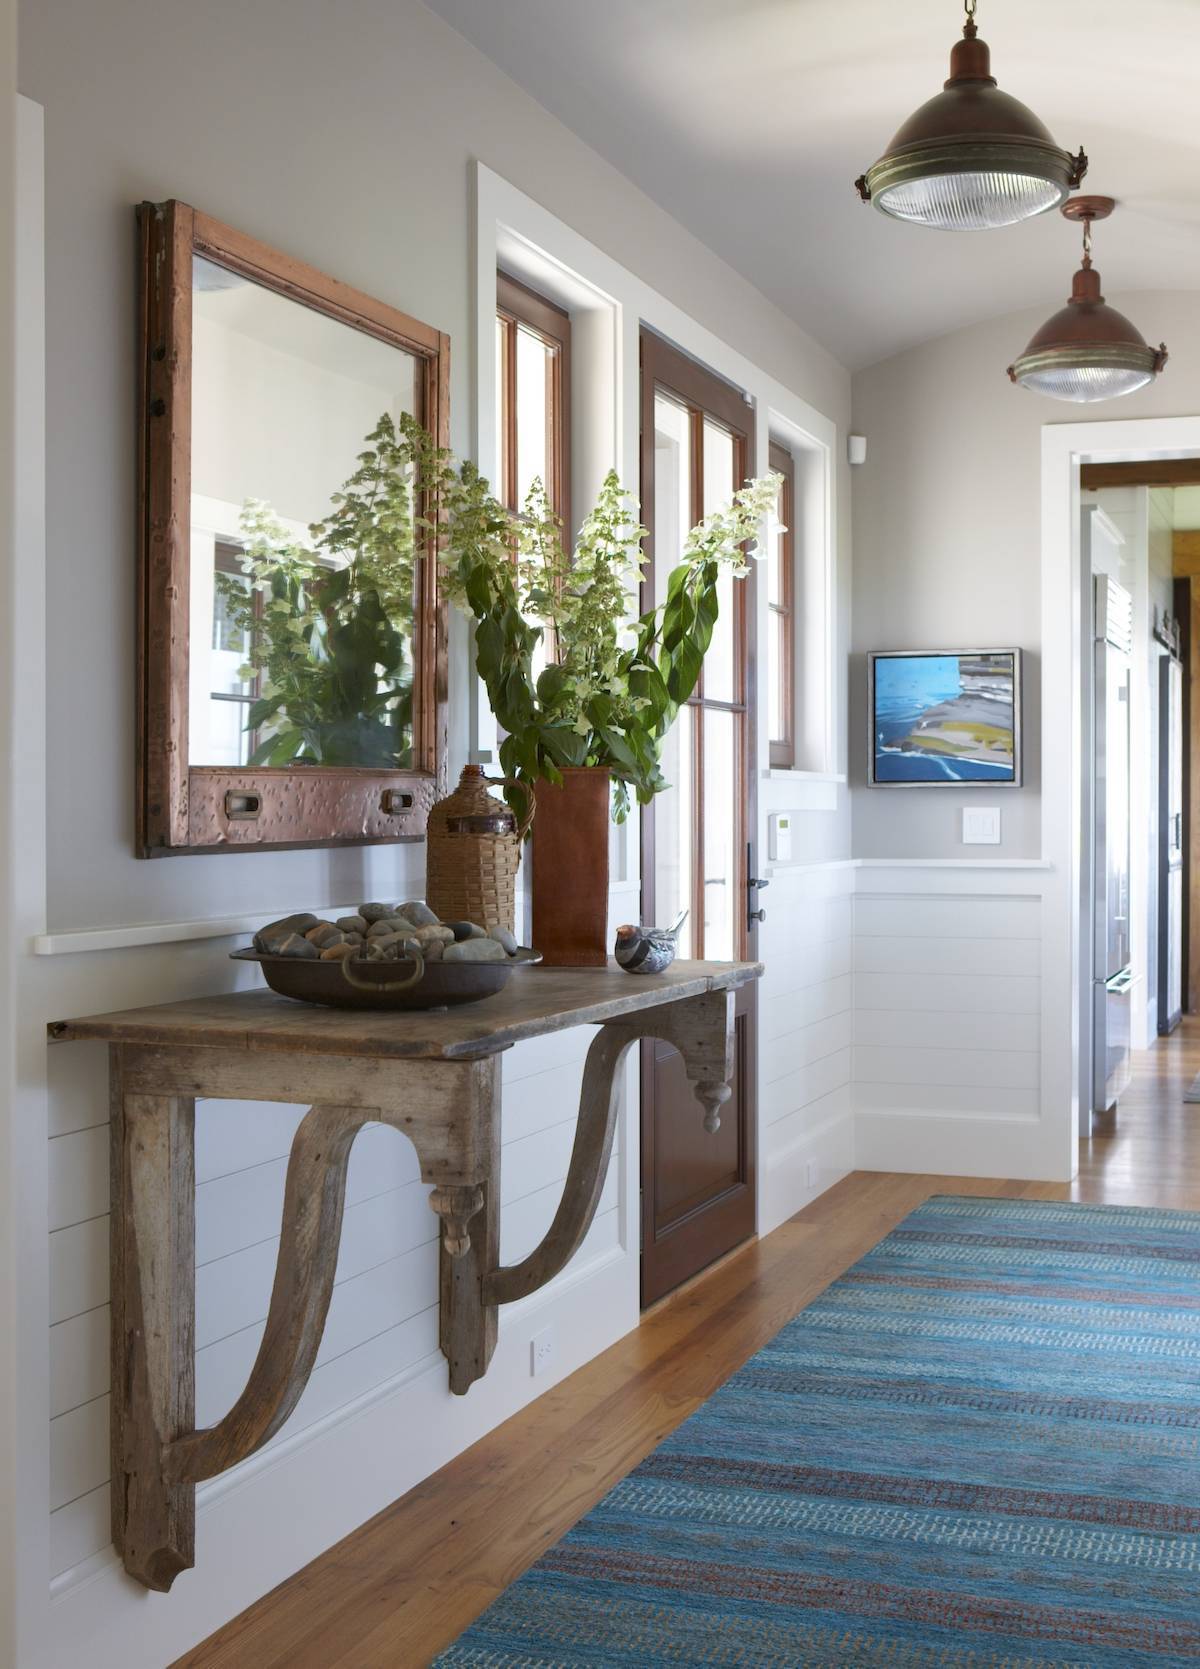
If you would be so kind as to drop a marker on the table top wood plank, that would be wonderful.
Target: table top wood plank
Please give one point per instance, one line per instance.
(535, 1001)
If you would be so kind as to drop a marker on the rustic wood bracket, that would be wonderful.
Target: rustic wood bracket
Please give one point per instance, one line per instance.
(158, 1455)
(702, 1031)
(448, 1104)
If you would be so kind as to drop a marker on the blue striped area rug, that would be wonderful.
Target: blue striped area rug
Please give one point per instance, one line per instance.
(979, 1447)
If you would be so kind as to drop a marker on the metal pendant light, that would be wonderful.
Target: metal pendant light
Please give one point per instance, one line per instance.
(972, 157)
(1087, 351)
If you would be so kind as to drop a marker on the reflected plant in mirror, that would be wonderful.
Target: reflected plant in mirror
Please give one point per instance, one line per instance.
(293, 678)
(327, 625)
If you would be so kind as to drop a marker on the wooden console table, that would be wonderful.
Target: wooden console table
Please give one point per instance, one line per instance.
(432, 1075)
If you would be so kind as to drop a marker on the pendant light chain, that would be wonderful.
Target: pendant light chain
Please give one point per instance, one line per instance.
(1087, 241)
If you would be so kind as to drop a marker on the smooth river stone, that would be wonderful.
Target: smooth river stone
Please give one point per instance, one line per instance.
(353, 924)
(392, 945)
(375, 912)
(418, 913)
(503, 937)
(476, 950)
(298, 947)
(269, 938)
(438, 933)
(390, 924)
(335, 953)
(466, 930)
(324, 934)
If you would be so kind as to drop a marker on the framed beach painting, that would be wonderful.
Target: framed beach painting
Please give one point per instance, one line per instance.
(944, 718)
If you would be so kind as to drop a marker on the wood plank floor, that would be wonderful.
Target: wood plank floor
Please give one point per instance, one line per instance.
(396, 1591)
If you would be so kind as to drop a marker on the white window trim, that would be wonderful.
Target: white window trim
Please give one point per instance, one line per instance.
(609, 305)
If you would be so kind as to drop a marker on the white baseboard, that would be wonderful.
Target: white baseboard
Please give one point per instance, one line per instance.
(786, 1188)
(918, 1142)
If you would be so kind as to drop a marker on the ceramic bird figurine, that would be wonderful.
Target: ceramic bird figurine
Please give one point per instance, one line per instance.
(647, 950)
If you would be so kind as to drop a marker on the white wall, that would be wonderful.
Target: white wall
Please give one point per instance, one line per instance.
(402, 99)
(947, 535)
(947, 1018)
(12, 1147)
(805, 1024)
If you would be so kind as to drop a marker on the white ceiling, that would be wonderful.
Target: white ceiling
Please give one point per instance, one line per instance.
(750, 120)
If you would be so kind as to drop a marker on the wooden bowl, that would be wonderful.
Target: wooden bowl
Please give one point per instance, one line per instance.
(441, 985)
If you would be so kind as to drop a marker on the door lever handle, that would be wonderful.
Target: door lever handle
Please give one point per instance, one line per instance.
(755, 882)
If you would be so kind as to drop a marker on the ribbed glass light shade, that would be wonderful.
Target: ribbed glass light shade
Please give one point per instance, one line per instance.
(1087, 351)
(970, 201)
(972, 157)
(1084, 383)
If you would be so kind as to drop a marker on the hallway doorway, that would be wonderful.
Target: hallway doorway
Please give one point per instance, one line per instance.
(1067, 922)
(1138, 549)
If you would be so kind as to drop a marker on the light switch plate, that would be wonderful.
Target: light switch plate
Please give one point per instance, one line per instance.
(981, 825)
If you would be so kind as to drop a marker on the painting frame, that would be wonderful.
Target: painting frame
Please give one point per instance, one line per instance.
(943, 781)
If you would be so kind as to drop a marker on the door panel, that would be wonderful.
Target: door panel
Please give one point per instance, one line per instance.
(697, 1189)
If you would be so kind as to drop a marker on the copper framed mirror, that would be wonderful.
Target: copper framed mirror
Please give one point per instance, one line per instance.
(292, 644)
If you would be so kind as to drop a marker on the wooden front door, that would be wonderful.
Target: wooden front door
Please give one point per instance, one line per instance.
(697, 1189)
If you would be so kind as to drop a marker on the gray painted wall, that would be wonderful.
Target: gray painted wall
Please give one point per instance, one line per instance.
(947, 536)
(343, 134)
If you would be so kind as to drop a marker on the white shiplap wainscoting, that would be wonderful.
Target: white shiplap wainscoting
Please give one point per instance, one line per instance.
(947, 1017)
(379, 1388)
(805, 1108)
(899, 1026)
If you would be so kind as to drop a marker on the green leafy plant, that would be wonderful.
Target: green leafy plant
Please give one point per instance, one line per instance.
(573, 677)
(329, 624)
(612, 687)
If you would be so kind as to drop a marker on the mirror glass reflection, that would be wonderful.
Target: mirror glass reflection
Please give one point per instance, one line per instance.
(303, 535)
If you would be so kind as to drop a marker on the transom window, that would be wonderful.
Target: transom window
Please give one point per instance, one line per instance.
(533, 397)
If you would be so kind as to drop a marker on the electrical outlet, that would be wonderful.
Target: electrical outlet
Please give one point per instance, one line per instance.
(810, 1173)
(541, 1351)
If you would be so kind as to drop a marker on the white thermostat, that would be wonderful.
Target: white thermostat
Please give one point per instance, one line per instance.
(779, 836)
(981, 825)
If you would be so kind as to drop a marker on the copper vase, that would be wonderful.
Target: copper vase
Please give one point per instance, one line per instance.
(570, 869)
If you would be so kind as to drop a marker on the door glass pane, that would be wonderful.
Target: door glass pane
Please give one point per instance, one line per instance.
(720, 670)
(721, 817)
(672, 484)
(533, 412)
(777, 624)
(674, 830)
(775, 553)
(502, 396)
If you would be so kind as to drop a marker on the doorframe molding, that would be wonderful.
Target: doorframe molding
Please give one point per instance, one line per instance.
(662, 365)
(1065, 447)
(536, 246)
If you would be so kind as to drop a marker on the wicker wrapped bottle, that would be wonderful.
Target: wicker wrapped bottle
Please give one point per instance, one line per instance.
(473, 849)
